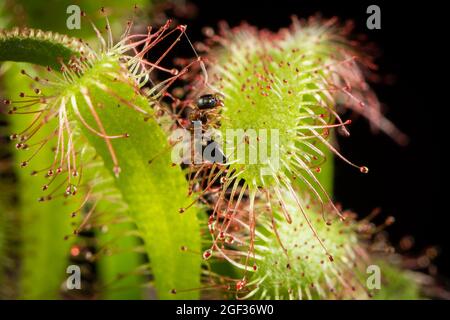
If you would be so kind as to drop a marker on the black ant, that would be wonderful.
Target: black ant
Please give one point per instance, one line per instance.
(204, 105)
(203, 113)
(209, 101)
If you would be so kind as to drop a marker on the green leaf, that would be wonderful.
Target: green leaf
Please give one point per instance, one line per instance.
(120, 262)
(43, 225)
(37, 47)
(154, 192)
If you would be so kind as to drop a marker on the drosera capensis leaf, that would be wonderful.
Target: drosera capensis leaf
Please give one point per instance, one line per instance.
(34, 15)
(120, 263)
(153, 192)
(119, 271)
(115, 271)
(280, 93)
(106, 240)
(8, 215)
(104, 95)
(43, 225)
(290, 265)
(39, 47)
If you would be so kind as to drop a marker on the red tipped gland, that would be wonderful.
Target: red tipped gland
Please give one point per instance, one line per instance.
(207, 254)
(364, 169)
(241, 284)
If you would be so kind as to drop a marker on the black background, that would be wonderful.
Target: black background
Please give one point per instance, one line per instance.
(406, 182)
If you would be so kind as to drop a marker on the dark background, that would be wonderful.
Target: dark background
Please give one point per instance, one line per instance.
(406, 182)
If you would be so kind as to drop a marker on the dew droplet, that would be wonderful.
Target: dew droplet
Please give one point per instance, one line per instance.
(364, 169)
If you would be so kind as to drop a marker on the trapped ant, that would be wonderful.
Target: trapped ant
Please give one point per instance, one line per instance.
(205, 105)
(203, 115)
(209, 101)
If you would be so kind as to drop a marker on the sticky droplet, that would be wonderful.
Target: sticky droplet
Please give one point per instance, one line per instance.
(240, 284)
(364, 169)
(75, 251)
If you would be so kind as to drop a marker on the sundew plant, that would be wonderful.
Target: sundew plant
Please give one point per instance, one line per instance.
(129, 171)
